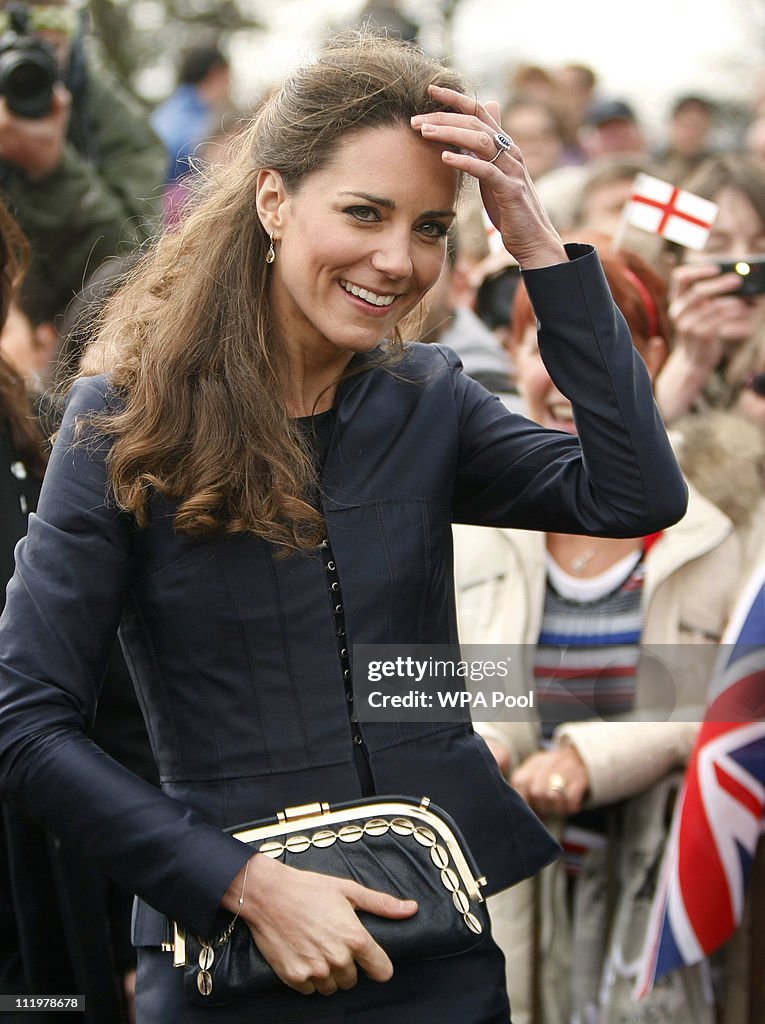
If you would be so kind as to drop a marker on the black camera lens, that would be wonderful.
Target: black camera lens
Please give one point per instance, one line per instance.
(28, 72)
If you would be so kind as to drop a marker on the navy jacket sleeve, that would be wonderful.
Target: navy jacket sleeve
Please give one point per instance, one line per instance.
(62, 613)
(619, 476)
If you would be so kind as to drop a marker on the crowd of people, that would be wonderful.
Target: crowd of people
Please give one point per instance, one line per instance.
(213, 315)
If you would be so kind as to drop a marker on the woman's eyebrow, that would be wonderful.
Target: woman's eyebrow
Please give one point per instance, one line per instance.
(388, 204)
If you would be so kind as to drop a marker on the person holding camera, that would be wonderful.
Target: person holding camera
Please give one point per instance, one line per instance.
(713, 309)
(80, 167)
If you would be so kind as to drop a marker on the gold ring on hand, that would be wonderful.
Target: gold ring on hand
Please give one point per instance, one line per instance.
(557, 783)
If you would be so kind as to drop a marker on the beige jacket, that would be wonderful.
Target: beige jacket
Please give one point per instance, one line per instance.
(692, 574)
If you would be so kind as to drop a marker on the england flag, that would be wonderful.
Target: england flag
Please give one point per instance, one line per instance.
(663, 209)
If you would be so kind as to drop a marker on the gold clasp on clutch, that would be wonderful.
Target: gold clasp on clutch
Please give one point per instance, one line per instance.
(179, 945)
(302, 811)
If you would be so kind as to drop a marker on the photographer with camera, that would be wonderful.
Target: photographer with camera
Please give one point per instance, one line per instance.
(715, 307)
(80, 166)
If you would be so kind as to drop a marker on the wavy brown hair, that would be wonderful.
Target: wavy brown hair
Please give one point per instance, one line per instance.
(189, 340)
(15, 409)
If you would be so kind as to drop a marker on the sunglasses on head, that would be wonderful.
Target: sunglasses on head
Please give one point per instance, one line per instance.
(756, 382)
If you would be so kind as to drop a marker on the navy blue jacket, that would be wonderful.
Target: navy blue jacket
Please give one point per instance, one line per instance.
(234, 651)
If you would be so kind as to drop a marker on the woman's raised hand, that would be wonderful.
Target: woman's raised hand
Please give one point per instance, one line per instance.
(506, 188)
(705, 313)
(305, 925)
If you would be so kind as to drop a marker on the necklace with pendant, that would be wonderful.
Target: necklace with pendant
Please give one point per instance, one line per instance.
(580, 563)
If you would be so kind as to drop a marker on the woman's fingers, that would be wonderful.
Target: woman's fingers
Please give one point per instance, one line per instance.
(305, 988)
(474, 144)
(464, 104)
(492, 109)
(696, 289)
(374, 960)
(380, 903)
(325, 975)
(346, 975)
(703, 302)
(367, 953)
(702, 279)
(306, 927)
(479, 142)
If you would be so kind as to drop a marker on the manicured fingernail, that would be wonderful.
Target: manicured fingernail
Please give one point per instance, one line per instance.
(414, 121)
(428, 129)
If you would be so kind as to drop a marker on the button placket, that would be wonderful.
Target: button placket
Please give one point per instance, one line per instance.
(335, 594)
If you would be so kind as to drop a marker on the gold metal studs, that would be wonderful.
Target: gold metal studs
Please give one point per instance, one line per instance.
(376, 827)
(323, 838)
(272, 849)
(402, 826)
(450, 880)
(425, 836)
(298, 844)
(461, 902)
(473, 923)
(439, 856)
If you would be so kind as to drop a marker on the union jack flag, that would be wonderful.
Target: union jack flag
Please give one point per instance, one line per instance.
(720, 814)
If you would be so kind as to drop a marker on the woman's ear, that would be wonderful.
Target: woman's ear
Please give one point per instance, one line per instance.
(271, 201)
(655, 354)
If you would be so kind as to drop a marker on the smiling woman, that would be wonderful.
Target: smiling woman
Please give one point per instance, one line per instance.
(351, 262)
(266, 476)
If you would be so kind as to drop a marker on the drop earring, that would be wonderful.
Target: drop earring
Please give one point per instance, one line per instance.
(271, 254)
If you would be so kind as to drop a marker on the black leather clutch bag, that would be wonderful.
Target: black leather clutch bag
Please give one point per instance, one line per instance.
(405, 847)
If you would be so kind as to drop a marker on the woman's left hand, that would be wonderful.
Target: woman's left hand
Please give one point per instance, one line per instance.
(506, 188)
(553, 781)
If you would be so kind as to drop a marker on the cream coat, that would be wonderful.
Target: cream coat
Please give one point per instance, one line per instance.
(692, 574)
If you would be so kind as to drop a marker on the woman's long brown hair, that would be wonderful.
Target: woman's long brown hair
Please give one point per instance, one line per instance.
(15, 409)
(189, 341)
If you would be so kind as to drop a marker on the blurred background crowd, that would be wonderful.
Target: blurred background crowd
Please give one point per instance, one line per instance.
(110, 113)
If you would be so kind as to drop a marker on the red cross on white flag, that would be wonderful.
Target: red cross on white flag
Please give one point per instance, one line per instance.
(663, 209)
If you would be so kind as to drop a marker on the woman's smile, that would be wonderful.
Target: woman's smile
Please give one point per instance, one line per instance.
(377, 300)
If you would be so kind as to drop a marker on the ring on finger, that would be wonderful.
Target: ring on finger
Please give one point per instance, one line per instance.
(557, 783)
(503, 143)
